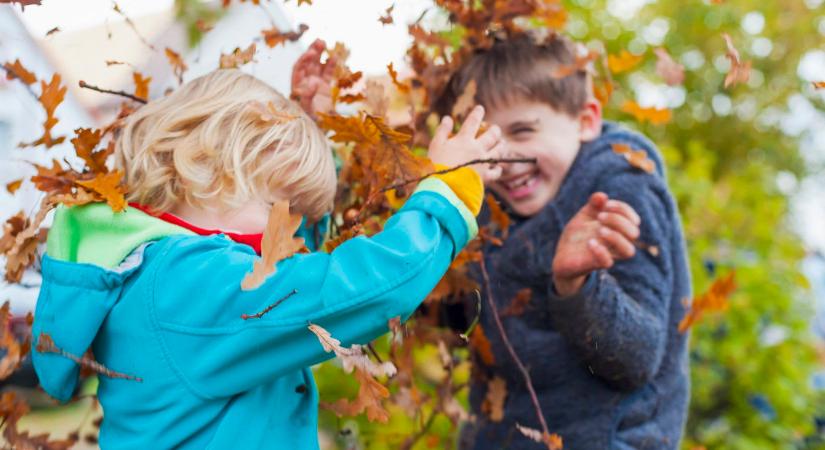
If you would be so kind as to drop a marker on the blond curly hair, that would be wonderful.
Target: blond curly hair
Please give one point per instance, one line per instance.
(223, 140)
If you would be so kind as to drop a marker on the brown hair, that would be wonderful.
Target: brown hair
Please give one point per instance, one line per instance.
(520, 68)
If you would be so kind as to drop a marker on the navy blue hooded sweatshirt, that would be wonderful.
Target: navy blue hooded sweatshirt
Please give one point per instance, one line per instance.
(609, 364)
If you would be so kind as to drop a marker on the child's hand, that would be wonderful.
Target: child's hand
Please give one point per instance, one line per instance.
(602, 232)
(312, 80)
(466, 146)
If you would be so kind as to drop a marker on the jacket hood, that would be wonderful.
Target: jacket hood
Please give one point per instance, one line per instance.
(90, 253)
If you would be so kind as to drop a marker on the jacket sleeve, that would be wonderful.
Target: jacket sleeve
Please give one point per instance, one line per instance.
(618, 321)
(352, 292)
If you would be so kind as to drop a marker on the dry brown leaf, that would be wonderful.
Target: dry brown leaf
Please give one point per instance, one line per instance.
(386, 19)
(109, 187)
(177, 63)
(376, 101)
(237, 58)
(14, 186)
(624, 62)
(715, 299)
(819, 84)
(401, 86)
(16, 70)
(274, 36)
(14, 352)
(270, 114)
(655, 116)
(493, 404)
(51, 96)
(481, 345)
(581, 64)
(740, 71)
(279, 242)
(518, 303)
(465, 102)
(54, 180)
(672, 72)
(369, 398)
(636, 158)
(85, 143)
(141, 85)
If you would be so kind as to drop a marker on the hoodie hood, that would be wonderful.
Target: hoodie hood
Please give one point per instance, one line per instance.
(90, 253)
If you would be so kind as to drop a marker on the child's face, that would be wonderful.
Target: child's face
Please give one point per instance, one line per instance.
(536, 130)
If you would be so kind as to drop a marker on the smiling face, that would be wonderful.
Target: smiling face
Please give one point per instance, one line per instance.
(536, 130)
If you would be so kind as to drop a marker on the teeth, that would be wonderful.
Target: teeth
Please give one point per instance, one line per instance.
(520, 181)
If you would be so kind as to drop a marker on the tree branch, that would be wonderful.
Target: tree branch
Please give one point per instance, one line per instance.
(524, 372)
(269, 308)
(86, 85)
(452, 169)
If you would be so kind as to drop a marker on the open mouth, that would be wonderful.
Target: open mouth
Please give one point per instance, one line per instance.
(522, 185)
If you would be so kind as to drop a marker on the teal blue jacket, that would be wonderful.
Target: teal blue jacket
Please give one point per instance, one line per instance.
(159, 303)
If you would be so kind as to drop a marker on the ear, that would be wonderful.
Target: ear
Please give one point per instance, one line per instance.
(590, 120)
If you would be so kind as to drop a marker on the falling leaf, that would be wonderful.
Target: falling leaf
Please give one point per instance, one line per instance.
(375, 98)
(672, 72)
(52, 31)
(580, 64)
(278, 243)
(85, 143)
(552, 441)
(111, 62)
(714, 299)
(347, 80)
(271, 115)
(465, 102)
(14, 186)
(141, 85)
(369, 398)
(402, 87)
(740, 71)
(109, 187)
(819, 84)
(655, 116)
(274, 37)
(51, 96)
(481, 345)
(386, 19)
(16, 70)
(519, 303)
(237, 58)
(54, 180)
(552, 15)
(603, 91)
(624, 62)
(493, 404)
(353, 357)
(177, 63)
(498, 217)
(636, 158)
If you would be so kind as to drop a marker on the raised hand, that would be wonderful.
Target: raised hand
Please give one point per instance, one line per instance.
(467, 145)
(601, 233)
(312, 79)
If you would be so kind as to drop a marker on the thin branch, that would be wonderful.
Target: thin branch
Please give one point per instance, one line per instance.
(524, 372)
(269, 308)
(452, 169)
(86, 85)
(132, 25)
(45, 344)
(412, 440)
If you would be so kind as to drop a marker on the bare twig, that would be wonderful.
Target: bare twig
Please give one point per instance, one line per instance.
(524, 372)
(452, 169)
(45, 344)
(132, 25)
(269, 308)
(86, 85)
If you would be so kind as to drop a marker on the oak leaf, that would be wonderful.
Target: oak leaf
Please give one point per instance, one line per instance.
(14, 351)
(177, 63)
(636, 158)
(141, 85)
(13, 186)
(672, 72)
(278, 243)
(50, 97)
(84, 145)
(655, 116)
(16, 70)
(716, 298)
(109, 187)
(274, 37)
(623, 62)
(237, 58)
(386, 19)
(739, 71)
(401, 86)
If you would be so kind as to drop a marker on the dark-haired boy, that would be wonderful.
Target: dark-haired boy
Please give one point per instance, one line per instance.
(600, 333)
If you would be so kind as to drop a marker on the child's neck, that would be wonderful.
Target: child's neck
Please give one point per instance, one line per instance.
(248, 219)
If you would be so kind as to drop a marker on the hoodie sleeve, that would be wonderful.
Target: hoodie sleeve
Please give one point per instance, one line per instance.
(352, 292)
(618, 320)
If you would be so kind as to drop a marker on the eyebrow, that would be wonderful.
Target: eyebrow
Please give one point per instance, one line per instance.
(523, 123)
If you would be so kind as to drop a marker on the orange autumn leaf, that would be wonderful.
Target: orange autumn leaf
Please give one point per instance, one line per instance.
(581, 63)
(603, 91)
(141, 85)
(109, 187)
(552, 15)
(481, 346)
(16, 70)
(85, 143)
(13, 186)
(14, 351)
(237, 58)
(50, 97)
(402, 87)
(177, 63)
(386, 19)
(819, 84)
(714, 299)
(518, 303)
(636, 158)
(80, 197)
(55, 179)
(274, 37)
(739, 71)
(493, 404)
(498, 217)
(347, 80)
(370, 395)
(623, 62)
(278, 243)
(270, 114)
(672, 72)
(655, 116)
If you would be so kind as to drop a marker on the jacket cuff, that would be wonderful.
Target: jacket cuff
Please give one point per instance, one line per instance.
(466, 184)
(559, 304)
